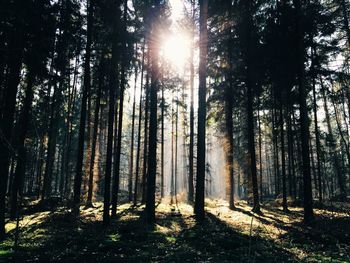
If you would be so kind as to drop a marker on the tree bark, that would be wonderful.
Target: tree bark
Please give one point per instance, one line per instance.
(201, 163)
(304, 118)
(86, 93)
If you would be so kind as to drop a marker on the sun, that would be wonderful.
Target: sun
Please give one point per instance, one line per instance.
(176, 49)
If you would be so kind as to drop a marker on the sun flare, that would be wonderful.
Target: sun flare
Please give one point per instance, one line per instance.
(176, 50)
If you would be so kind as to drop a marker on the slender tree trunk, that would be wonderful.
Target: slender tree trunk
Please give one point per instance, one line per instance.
(94, 137)
(71, 104)
(51, 145)
(191, 146)
(317, 133)
(116, 177)
(145, 144)
(176, 144)
(201, 163)
(250, 100)
(152, 150)
(86, 93)
(260, 154)
(7, 115)
(229, 140)
(131, 165)
(304, 119)
(229, 121)
(341, 177)
(172, 184)
(138, 151)
(283, 158)
(162, 146)
(112, 87)
(21, 159)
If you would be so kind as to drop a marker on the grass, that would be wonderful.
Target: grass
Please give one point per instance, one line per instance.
(225, 236)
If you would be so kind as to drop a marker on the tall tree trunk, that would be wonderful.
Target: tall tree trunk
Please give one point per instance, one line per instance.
(152, 150)
(86, 93)
(112, 87)
(116, 177)
(304, 118)
(260, 154)
(201, 163)
(94, 135)
(7, 113)
(229, 120)
(138, 151)
(341, 177)
(283, 157)
(131, 165)
(145, 136)
(51, 145)
(71, 106)
(191, 146)
(162, 146)
(317, 133)
(172, 183)
(176, 144)
(21, 158)
(250, 100)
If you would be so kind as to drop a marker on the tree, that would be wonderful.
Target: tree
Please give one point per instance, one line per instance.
(152, 150)
(86, 94)
(304, 119)
(111, 103)
(250, 84)
(201, 163)
(15, 56)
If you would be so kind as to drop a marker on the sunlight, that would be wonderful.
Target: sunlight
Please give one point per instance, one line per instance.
(176, 50)
(176, 8)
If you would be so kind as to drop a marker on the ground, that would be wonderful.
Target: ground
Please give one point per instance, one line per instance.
(225, 235)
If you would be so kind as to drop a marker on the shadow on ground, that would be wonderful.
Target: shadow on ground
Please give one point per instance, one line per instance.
(174, 238)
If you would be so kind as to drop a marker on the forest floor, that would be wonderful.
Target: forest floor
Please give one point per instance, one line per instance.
(225, 235)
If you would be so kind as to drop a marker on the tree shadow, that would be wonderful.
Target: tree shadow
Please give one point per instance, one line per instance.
(174, 238)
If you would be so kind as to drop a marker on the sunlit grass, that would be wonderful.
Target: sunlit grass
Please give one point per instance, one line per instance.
(225, 235)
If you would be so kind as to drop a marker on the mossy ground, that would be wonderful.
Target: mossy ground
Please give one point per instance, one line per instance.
(225, 235)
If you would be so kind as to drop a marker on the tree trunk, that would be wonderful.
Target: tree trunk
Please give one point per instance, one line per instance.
(201, 163)
(152, 150)
(250, 100)
(131, 165)
(145, 136)
(112, 87)
(283, 157)
(138, 151)
(116, 177)
(86, 93)
(7, 115)
(21, 158)
(191, 146)
(94, 136)
(304, 118)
